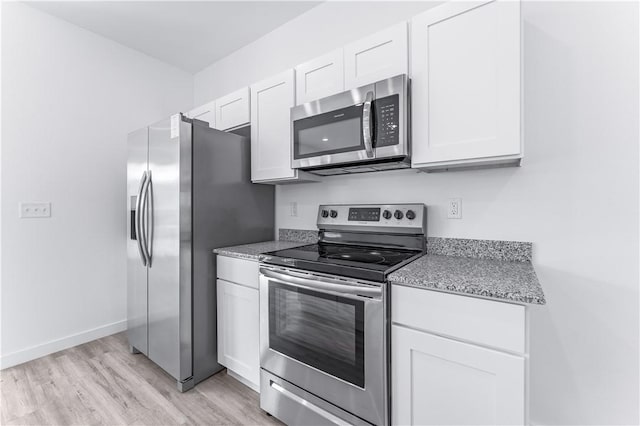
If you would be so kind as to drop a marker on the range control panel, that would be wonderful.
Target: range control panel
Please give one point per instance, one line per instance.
(365, 216)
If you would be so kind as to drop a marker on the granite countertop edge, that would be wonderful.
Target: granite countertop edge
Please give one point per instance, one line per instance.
(498, 280)
(254, 250)
(478, 294)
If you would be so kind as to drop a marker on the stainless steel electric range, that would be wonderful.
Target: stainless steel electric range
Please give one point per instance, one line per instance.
(324, 315)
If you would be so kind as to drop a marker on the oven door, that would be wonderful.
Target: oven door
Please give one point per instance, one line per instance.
(328, 337)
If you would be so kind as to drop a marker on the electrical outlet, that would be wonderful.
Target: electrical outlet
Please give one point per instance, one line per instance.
(35, 210)
(454, 210)
(293, 209)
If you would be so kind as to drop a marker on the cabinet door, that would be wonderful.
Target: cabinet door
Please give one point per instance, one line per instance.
(439, 381)
(239, 330)
(233, 110)
(206, 112)
(320, 77)
(271, 101)
(379, 56)
(466, 82)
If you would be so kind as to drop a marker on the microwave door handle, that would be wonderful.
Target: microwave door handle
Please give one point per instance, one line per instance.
(138, 215)
(367, 130)
(323, 284)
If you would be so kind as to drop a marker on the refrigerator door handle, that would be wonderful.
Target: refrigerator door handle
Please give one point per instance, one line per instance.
(138, 217)
(149, 240)
(143, 221)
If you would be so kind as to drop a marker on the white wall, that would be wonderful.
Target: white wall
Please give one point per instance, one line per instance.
(320, 30)
(575, 198)
(69, 98)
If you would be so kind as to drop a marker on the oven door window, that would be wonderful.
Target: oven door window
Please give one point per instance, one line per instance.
(329, 133)
(320, 330)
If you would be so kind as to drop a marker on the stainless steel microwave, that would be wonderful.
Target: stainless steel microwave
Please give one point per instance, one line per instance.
(360, 130)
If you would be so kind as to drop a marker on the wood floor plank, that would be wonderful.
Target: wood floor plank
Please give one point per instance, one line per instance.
(101, 383)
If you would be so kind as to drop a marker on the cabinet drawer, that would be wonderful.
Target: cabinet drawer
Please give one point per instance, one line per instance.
(239, 271)
(496, 324)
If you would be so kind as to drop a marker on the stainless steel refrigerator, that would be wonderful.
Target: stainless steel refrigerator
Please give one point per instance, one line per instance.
(189, 191)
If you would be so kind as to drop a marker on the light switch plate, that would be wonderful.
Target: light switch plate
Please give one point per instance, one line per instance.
(35, 210)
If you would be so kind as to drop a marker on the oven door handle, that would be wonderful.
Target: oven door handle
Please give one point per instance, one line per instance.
(324, 284)
(367, 134)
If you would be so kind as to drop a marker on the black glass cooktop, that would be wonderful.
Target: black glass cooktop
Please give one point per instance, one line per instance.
(363, 262)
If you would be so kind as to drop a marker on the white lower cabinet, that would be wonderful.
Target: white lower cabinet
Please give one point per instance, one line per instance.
(457, 360)
(238, 307)
(440, 381)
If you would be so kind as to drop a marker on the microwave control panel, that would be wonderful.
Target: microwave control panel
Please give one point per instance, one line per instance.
(387, 121)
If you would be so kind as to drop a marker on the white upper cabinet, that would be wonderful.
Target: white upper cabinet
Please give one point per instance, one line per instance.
(206, 112)
(271, 102)
(373, 58)
(465, 69)
(320, 77)
(233, 110)
(376, 57)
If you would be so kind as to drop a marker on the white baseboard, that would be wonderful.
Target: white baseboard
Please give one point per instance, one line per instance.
(33, 352)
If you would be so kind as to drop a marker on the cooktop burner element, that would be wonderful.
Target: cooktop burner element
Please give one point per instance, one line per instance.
(360, 241)
(363, 255)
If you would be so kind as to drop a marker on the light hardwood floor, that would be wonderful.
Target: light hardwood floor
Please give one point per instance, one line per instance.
(102, 383)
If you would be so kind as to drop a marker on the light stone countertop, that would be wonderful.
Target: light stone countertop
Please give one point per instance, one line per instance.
(499, 270)
(252, 251)
(507, 281)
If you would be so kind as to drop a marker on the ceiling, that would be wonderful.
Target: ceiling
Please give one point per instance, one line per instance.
(187, 34)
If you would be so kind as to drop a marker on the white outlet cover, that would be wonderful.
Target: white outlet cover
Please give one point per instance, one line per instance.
(454, 208)
(34, 210)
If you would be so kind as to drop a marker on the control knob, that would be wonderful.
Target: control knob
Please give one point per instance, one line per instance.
(410, 215)
(334, 214)
(398, 214)
(386, 214)
(325, 213)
